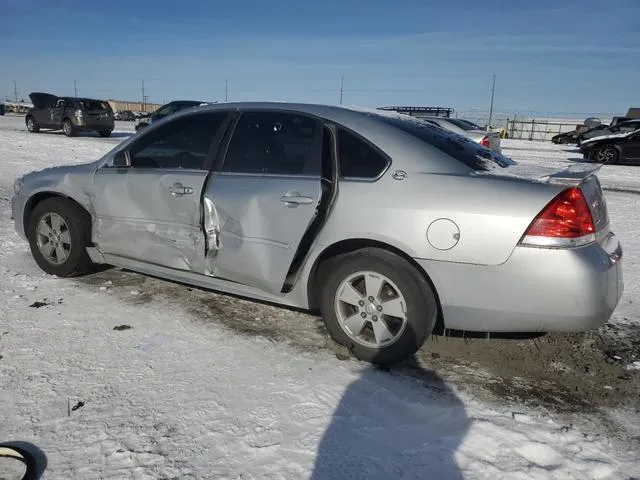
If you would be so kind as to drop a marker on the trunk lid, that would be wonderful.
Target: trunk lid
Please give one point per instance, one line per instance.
(43, 100)
(583, 176)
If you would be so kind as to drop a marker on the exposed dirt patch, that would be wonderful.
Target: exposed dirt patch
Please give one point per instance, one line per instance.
(568, 372)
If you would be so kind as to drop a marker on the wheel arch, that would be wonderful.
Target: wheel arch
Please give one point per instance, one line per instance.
(351, 245)
(42, 196)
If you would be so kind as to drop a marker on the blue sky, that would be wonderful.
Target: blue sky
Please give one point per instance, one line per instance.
(560, 56)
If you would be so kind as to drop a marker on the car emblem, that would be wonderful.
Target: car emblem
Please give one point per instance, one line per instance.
(399, 175)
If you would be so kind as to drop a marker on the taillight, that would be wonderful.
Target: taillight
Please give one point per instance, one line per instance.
(485, 141)
(566, 221)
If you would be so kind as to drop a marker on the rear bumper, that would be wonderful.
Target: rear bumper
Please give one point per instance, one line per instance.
(536, 290)
(94, 124)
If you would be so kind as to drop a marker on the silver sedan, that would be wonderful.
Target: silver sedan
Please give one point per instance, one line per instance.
(393, 228)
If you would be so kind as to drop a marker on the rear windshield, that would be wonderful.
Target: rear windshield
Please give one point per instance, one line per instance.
(95, 105)
(461, 148)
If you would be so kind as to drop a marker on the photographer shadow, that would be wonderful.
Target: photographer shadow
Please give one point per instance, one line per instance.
(397, 423)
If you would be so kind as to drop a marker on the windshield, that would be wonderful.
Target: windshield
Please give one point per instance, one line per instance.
(456, 146)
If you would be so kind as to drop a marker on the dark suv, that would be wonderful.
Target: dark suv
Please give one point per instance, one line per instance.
(69, 114)
(166, 110)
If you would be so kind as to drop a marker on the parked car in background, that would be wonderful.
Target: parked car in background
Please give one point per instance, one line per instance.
(565, 138)
(69, 114)
(468, 129)
(392, 227)
(125, 116)
(2, 109)
(166, 110)
(620, 128)
(614, 148)
(616, 126)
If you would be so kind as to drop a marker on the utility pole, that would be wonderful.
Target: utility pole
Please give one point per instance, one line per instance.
(226, 90)
(144, 108)
(341, 87)
(493, 90)
(15, 91)
(75, 87)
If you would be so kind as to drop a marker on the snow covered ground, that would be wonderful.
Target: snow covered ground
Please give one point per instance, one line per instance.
(181, 395)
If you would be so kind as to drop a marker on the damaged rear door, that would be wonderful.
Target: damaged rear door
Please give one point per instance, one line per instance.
(263, 198)
(151, 210)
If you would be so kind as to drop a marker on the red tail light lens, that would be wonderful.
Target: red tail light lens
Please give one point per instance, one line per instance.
(565, 221)
(485, 141)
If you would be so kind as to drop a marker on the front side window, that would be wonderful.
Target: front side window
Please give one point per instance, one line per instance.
(357, 158)
(274, 143)
(182, 143)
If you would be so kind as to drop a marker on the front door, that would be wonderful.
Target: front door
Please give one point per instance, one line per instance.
(151, 211)
(263, 198)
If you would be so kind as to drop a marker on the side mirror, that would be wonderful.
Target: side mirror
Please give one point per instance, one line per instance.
(122, 159)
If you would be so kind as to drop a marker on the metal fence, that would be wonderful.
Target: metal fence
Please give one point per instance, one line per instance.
(537, 130)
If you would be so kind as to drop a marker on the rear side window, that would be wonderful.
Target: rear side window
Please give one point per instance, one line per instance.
(95, 105)
(459, 147)
(358, 159)
(275, 143)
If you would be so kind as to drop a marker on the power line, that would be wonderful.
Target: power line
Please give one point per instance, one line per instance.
(75, 88)
(15, 91)
(143, 98)
(341, 87)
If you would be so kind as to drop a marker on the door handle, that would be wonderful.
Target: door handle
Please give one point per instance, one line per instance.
(292, 199)
(177, 190)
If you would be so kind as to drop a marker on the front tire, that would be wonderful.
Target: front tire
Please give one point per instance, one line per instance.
(606, 154)
(59, 232)
(32, 126)
(68, 128)
(377, 305)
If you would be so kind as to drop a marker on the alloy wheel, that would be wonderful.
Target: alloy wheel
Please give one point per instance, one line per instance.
(53, 238)
(371, 309)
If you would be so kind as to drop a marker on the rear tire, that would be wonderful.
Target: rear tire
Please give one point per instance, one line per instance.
(68, 128)
(376, 304)
(606, 154)
(59, 232)
(32, 125)
(105, 133)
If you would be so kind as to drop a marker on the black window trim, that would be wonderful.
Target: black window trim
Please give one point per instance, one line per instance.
(319, 121)
(368, 142)
(214, 148)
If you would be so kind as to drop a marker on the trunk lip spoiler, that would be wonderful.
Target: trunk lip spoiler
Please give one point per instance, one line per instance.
(573, 175)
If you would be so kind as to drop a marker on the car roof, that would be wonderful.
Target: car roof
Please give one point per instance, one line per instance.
(82, 99)
(408, 151)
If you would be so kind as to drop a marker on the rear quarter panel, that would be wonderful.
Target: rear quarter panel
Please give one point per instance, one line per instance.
(491, 214)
